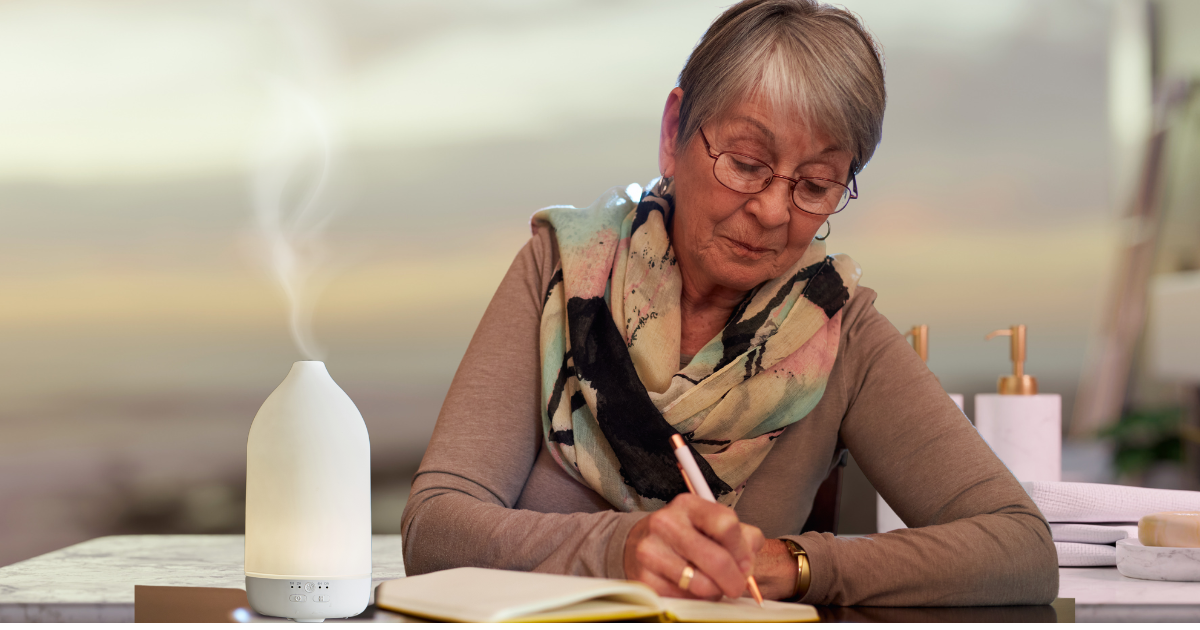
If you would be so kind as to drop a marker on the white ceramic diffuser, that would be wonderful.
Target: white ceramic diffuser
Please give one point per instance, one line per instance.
(308, 501)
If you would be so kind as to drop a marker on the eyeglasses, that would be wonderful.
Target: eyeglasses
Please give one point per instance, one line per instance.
(749, 175)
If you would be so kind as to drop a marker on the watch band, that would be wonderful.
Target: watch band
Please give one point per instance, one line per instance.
(803, 570)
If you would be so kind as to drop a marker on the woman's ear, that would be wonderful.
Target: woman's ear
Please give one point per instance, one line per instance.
(669, 133)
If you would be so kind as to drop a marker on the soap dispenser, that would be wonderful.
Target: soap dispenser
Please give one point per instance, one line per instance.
(886, 519)
(920, 343)
(1023, 427)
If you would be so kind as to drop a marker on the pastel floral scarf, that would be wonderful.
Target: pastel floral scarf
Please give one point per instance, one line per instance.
(612, 389)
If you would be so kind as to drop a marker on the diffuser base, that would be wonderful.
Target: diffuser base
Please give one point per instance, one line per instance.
(308, 599)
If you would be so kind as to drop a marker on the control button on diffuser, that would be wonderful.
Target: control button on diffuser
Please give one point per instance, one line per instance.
(309, 586)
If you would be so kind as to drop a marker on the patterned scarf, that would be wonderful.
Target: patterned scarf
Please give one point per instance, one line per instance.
(612, 388)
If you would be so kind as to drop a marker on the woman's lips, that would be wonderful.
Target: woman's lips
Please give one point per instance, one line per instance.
(747, 250)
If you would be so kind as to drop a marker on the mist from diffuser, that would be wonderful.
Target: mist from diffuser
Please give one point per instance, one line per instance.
(291, 172)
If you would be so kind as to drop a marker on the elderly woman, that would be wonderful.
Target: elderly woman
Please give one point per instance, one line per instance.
(706, 306)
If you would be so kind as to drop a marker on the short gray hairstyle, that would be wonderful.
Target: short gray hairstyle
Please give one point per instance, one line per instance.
(813, 59)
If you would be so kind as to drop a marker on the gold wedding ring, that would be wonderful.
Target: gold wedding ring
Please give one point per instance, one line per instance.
(685, 580)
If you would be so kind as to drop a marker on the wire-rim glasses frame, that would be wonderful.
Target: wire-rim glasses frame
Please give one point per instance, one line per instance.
(849, 192)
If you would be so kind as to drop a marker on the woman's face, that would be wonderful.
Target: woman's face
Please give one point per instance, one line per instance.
(729, 240)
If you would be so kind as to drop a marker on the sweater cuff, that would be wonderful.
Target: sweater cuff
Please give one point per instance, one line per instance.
(614, 555)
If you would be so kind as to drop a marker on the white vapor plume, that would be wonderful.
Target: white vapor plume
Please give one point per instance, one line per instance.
(291, 210)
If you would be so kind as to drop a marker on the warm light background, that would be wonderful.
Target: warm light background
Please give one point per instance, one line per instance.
(139, 335)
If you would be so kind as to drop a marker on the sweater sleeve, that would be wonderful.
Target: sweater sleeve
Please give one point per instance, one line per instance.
(488, 435)
(976, 537)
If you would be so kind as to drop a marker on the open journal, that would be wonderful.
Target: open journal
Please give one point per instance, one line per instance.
(491, 595)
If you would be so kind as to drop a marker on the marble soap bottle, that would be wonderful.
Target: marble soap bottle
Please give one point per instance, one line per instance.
(886, 519)
(1023, 427)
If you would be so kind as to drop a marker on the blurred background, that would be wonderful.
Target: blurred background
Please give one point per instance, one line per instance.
(142, 316)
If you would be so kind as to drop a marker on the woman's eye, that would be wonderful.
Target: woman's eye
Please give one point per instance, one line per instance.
(746, 166)
(814, 188)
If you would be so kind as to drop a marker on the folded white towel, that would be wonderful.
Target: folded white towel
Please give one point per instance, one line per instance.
(1090, 533)
(1085, 555)
(1070, 502)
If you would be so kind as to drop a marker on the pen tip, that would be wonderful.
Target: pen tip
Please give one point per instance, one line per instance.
(753, 584)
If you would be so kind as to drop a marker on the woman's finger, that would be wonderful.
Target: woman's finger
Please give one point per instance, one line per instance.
(664, 587)
(754, 538)
(721, 524)
(655, 553)
(676, 527)
(711, 558)
(666, 581)
(662, 561)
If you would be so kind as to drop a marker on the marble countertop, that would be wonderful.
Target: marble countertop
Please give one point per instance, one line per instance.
(94, 580)
(1103, 594)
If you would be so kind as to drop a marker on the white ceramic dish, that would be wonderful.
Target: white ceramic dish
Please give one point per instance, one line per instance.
(1171, 564)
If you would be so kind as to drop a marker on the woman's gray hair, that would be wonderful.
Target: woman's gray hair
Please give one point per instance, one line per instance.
(805, 57)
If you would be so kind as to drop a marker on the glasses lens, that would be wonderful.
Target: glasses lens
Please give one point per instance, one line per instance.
(820, 196)
(741, 173)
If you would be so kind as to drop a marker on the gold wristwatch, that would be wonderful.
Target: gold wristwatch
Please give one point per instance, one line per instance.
(803, 571)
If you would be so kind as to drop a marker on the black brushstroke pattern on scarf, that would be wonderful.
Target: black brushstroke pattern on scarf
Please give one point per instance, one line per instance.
(650, 202)
(555, 280)
(635, 429)
(642, 213)
(560, 384)
(825, 289)
(566, 436)
(577, 401)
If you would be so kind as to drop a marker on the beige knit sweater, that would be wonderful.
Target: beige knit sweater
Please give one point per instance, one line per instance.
(488, 494)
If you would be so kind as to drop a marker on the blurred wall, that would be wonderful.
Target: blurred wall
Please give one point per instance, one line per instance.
(140, 332)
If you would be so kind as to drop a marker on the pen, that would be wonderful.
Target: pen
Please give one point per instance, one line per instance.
(697, 486)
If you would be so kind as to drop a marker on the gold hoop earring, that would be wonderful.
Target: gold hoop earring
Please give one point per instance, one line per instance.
(827, 230)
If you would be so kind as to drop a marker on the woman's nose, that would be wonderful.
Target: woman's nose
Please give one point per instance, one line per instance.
(772, 207)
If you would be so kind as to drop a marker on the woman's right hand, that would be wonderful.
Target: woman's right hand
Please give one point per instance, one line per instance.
(690, 531)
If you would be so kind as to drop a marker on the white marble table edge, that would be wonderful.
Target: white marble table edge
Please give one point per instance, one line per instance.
(1105, 586)
(194, 560)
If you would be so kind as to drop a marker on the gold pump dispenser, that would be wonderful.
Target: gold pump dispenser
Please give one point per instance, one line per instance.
(1018, 383)
(920, 341)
